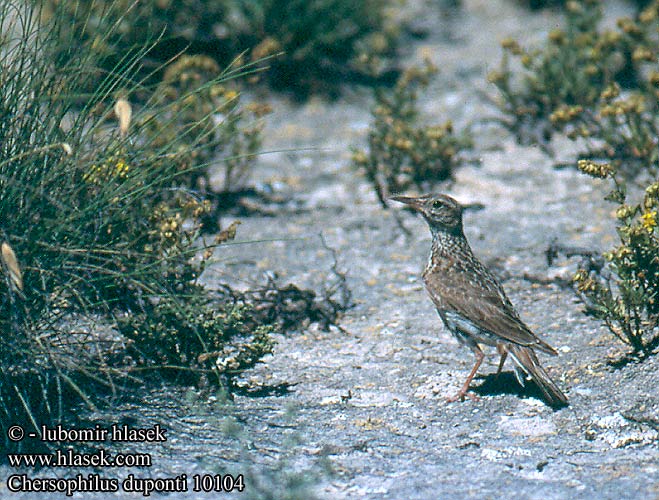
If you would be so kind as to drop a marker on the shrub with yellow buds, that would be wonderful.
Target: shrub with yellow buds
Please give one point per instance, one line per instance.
(623, 295)
(401, 154)
(599, 170)
(569, 85)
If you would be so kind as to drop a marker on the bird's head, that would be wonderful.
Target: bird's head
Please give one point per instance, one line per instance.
(442, 212)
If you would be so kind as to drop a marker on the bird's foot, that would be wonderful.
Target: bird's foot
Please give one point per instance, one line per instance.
(460, 396)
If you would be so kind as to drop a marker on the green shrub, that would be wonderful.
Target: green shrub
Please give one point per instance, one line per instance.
(115, 31)
(573, 83)
(316, 43)
(193, 339)
(401, 154)
(99, 233)
(541, 4)
(626, 297)
(601, 87)
(321, 40)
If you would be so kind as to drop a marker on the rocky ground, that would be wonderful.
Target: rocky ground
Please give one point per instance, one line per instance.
(359, 411)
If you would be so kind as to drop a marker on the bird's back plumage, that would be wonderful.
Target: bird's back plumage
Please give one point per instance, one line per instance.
(457, 282)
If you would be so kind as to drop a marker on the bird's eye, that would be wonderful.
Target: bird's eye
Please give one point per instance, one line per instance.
(436, 204)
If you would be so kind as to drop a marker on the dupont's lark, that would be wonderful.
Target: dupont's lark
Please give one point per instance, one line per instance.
(472, 303)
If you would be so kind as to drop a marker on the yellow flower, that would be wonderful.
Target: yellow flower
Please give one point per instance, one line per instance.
(610, 92)
(629, 26)
(259, 109)
(496, 76)
(643, 54)
(557, 36)
(624, 211)
(573, 7)
(565, 114)
(648, 15)
(610, 38)
(649, 221)
(654, 78)
(652, 191)
(512, 45)
(360, 158)
(591, 70)
(121, 168)
(580, 275)
(230, 95)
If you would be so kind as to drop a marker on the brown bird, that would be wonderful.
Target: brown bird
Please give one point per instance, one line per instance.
(472, 303)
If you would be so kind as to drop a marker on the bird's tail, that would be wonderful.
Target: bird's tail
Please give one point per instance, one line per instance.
(528, 362)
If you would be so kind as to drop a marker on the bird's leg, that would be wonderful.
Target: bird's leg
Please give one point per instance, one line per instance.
(504, 354)
(465, 388)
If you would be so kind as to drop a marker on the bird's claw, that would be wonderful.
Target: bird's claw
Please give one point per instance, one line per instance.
(460, 396)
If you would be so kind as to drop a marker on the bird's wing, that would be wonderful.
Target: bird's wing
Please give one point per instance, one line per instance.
(484, 303)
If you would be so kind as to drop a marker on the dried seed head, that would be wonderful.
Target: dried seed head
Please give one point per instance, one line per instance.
(643, 54)
(610, 92)
(124, 112)
(227, 234)
(11, 265)
(649, 15)
(496, 76)
(266, 48)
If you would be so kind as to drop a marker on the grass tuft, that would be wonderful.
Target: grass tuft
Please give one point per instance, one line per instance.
(100, 226)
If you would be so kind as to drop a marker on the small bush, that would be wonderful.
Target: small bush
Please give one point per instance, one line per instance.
(193, 339)
(316, 43)
(573, 85)
(320, 40)
(541, 4)
(114, 31)
(626, 297)
(206, 118)
(400, 154)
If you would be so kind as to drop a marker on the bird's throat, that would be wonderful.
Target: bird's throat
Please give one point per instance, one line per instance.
(445, 243)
